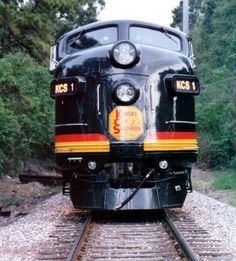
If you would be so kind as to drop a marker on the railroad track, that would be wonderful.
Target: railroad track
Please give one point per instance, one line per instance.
(74, 252)
(43, 179)
(187, 250)
(199, 239)
(134, 236)
(135, 241)
(61, 240)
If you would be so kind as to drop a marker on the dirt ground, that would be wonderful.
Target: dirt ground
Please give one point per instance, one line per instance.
(19, 199)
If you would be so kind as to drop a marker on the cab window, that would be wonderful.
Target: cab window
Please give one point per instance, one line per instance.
(85, 40)
(159, 38)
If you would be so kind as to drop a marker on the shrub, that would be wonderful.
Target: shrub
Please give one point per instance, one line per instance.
(26, 112)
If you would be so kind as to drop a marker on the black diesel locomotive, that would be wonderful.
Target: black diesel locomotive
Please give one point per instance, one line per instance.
(125, 133)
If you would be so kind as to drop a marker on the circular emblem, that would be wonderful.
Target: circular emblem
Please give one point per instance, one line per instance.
(126, 123)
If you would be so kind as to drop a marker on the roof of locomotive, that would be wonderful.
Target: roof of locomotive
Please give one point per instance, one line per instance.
(124, 23)
(123, 27)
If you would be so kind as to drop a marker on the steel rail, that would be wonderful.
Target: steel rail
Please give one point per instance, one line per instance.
(45, 180)
(188, 251)
(77, 243)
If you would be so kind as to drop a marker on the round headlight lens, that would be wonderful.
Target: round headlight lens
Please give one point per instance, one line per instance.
(124, 53)
(163, 164)
(125, 93)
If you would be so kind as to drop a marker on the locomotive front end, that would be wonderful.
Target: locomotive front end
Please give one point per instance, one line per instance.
(125, 134)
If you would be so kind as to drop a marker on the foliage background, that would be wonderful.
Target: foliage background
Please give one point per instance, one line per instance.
(213, 30)
(27, 30)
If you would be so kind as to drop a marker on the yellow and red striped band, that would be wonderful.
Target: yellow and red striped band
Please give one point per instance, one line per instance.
(154, 141)
(170, 141)
(82, 143)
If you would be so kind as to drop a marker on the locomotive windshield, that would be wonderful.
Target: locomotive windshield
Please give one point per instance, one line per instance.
(162, 39)
(84, 40)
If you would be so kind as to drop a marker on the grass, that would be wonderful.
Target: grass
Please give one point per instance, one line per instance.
(220, 185)
(233, 202)
(224, 181)
(11, 201)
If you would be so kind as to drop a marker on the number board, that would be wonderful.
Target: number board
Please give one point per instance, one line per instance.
(183, 84)
(64, 87)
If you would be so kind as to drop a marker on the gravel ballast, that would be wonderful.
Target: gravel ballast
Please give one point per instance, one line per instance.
(217, 218)
(22, 239)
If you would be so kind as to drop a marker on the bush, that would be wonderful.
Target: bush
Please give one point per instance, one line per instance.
(216, 114)
(26, 112)
(9, 140)
(232, 163)
(11, 201)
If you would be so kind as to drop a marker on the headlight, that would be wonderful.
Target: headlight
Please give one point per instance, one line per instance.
(126, 93)
(124, 54)
(163, 164)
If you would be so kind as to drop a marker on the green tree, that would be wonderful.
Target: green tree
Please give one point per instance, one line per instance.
(195, 7)
(214, 40)
(34, 25)
(26, 112)
(27, 30)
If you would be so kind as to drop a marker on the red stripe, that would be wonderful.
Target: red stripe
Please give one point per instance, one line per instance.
(170, 135)
(100, 137)
(80, 137)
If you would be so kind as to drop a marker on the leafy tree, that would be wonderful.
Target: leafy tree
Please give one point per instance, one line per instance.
(33, 25)
(9, 139)
(27, 30)
(26, 112)
(214, 39)
(194, 13)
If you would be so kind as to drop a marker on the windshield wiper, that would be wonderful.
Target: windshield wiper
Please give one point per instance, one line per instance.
(167, 34)
(78, 37)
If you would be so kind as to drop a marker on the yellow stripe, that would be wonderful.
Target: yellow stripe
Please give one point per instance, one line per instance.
(104, 146)
(83, 146)
(168, 144)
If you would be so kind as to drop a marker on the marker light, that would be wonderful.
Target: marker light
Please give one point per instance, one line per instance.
(92, 165)
(163, 164)
(125, 54)
(126, 93)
